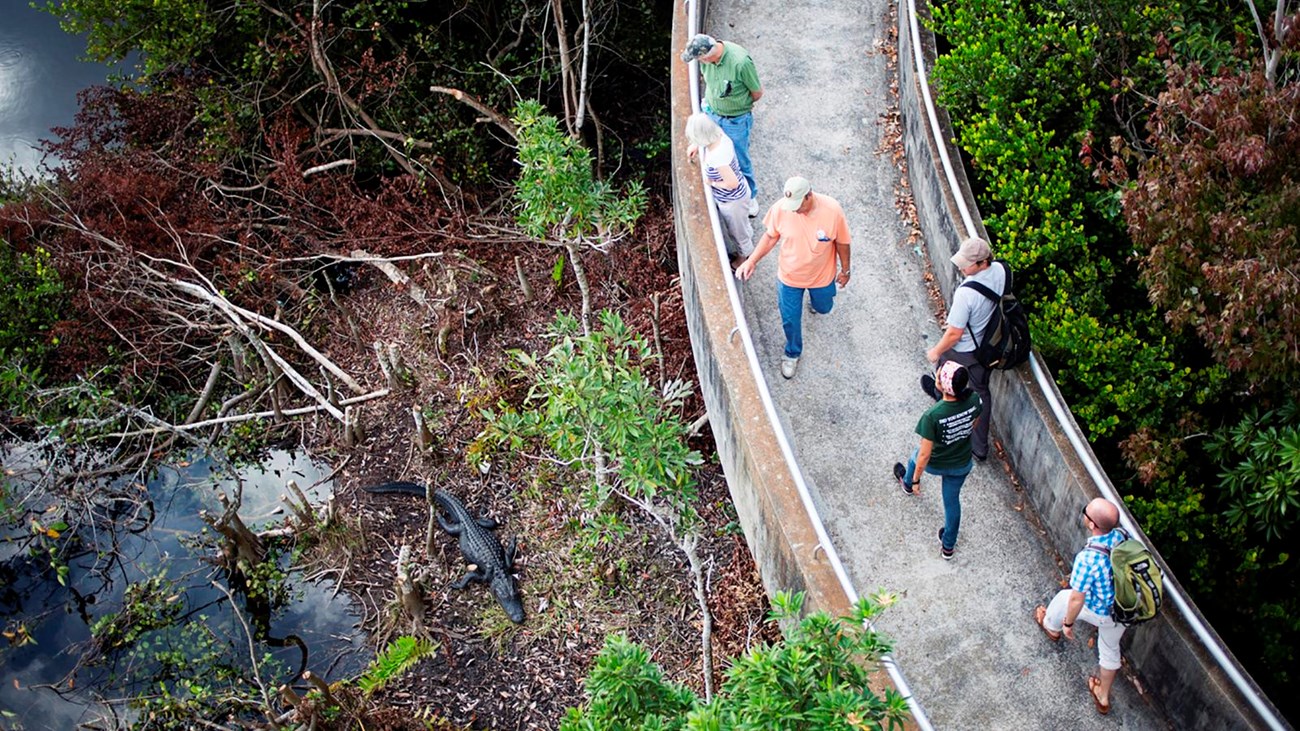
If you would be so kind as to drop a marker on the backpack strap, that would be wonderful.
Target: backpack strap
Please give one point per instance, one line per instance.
(1102, 548)
(983, 290)
(1008, 286)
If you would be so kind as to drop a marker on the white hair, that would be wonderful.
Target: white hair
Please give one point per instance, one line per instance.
(702, 130)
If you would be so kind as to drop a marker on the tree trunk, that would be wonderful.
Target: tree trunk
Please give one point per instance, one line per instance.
(580, 274)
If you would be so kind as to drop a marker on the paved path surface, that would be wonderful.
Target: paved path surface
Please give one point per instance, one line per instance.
(964, 634)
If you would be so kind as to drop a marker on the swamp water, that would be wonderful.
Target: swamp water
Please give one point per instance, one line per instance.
(187, 638)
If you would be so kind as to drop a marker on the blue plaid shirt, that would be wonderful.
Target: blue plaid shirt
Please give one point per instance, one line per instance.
(1092, 576)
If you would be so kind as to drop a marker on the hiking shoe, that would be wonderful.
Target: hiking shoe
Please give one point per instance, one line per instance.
(753, 207)
(899, 473)
(929, 389)
(945, 552)
(789, 366)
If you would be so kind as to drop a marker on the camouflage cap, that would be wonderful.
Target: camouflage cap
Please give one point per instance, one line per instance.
(698, 46)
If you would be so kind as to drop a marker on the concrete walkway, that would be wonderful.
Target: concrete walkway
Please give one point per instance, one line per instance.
(963, 633)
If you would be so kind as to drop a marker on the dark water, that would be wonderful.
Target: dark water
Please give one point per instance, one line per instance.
(42, 683)
(40, 75)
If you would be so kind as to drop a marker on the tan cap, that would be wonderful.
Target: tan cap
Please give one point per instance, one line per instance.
(973, 251)
(796, 189)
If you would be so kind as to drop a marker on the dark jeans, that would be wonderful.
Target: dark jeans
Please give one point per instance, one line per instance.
(953, 479)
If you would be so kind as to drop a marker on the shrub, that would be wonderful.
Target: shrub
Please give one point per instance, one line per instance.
(815, 679)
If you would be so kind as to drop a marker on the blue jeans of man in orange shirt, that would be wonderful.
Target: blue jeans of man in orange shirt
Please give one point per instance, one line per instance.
(953, 479)
(790, 300)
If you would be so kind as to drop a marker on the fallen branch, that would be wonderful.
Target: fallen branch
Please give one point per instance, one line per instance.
(327, 166)
(244, 417)
(489, 114)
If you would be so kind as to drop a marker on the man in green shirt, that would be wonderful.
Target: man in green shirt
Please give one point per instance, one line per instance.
(731, 88)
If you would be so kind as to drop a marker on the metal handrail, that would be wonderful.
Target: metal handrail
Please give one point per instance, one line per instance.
(765, 396)
(1066, 420)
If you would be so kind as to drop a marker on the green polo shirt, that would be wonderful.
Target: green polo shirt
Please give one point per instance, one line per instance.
(730, 81)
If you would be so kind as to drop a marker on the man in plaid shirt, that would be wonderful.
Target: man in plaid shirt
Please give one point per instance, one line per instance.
(1091, 593)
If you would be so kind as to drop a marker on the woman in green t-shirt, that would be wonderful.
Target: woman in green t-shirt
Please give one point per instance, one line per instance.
(945, 451)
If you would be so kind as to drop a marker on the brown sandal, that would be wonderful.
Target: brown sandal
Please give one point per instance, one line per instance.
(1040, 612)
(1093, 683)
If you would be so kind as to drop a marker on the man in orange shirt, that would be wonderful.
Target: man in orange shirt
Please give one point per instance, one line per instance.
(813, 235)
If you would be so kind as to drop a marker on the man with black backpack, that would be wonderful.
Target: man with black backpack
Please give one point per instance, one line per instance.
(968, 317)
(1091, 597)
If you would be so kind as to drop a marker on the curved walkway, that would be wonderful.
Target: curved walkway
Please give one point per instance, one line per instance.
(963, 632)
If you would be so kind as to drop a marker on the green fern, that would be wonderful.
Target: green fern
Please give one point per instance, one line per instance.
(400, 655)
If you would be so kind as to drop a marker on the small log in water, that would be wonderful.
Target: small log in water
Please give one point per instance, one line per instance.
(299, 504)
(242, 544)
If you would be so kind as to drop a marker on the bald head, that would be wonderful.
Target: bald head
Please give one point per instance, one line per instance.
(1103, 514)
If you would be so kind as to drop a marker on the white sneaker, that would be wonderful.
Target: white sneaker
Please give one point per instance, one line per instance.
(753, 207)
(789, 366)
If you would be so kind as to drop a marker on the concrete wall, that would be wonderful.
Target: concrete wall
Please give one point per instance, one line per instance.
(780, 532)
(1173, 663)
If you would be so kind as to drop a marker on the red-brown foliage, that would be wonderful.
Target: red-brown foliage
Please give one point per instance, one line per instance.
(1218, 207)
(141, 187)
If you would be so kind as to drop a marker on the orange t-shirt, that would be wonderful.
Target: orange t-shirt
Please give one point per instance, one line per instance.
(808, 240)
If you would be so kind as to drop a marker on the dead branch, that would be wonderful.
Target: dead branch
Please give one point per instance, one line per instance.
(423, 438)
(382, 134)
(524, 287)
(408, 590)
(319, 684)
(240, 317)
(297, 502)
(323, 67)
(300, 411)
(213, 376)
(242, 544)
(327, 166)
(489, 114)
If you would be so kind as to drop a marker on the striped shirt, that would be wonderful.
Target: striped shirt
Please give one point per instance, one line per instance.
(1092, 575)
(720, 154)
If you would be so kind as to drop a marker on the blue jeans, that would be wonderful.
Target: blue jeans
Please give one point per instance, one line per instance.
(790, 300)
(737, 128)
(953, 479)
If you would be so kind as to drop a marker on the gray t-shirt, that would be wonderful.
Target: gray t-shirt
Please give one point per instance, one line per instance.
(971, 310)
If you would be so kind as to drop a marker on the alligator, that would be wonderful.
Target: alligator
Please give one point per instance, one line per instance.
(488, 562)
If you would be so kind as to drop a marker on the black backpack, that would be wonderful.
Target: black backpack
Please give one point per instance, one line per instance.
(1005, 342)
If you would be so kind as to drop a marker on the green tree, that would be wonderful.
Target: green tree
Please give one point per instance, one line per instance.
(1260, 457)
(166, 32)
(815, 679)
(31, 295)
(560, 199)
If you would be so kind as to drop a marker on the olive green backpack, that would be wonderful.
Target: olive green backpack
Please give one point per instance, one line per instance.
(1139, 585)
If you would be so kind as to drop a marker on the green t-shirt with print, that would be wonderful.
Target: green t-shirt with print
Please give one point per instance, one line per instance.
(948, 425)
(728, 82)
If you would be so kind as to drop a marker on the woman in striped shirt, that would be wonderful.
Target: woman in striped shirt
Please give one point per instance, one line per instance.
(730, 190)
